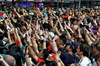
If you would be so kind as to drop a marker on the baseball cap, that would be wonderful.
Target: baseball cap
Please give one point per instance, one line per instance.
(75, 45)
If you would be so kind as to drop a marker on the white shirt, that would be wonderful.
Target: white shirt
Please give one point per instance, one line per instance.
(85, 62)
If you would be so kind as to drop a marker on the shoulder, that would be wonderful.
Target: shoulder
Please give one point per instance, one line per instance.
(85, 61)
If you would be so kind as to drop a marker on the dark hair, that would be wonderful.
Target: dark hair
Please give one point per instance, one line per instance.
(71, 47)
(79, 40)
(97, 46)
(21, 12)
(41, 64)
(72, 20)
(97, 57)
(48, 63)
(63, 38)
(85, 49)
(1, 35)
(26, 18)
(68, 45)
(51, 63)
(2, 27)
(45, 53)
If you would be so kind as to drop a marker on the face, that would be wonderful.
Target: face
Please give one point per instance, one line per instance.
(94, 51)
(74, 22)
(68, 48)
(60, 19)
(58, 41)
(78, 51)
(23, 28)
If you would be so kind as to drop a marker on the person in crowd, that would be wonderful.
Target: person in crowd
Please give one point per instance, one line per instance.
(49, 37)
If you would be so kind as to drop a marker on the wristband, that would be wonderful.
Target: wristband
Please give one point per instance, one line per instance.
(26, 56)
(58, 60)
(45, 41)
(34, 39)
(53, 40)
(28, 33)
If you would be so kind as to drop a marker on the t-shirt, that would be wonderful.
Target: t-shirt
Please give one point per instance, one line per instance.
(3, 55)
(85, 62)
(94, 62)
(23, 55)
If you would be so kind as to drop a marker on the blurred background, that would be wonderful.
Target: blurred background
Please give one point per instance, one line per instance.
(80, 4)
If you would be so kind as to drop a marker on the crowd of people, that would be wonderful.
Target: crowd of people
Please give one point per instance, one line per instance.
(49, 37)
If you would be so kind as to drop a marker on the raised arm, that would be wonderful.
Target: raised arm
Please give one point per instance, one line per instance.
(10, 24)
(68, 34)
(56, 29)
(35, 46)
(59, 61)
(20, 33)
(9, 38)
(53, 44)
(13, 20)
(28, 62)
(33, 54)
(18, 38)
(17, 14)
(87, 39)
(36, 35)
(61, 27)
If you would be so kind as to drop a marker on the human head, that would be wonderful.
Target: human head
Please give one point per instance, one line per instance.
(83, 50)
(96, 48)
(71, 47)
(10, 60)
(68, 47)
(23, 29)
